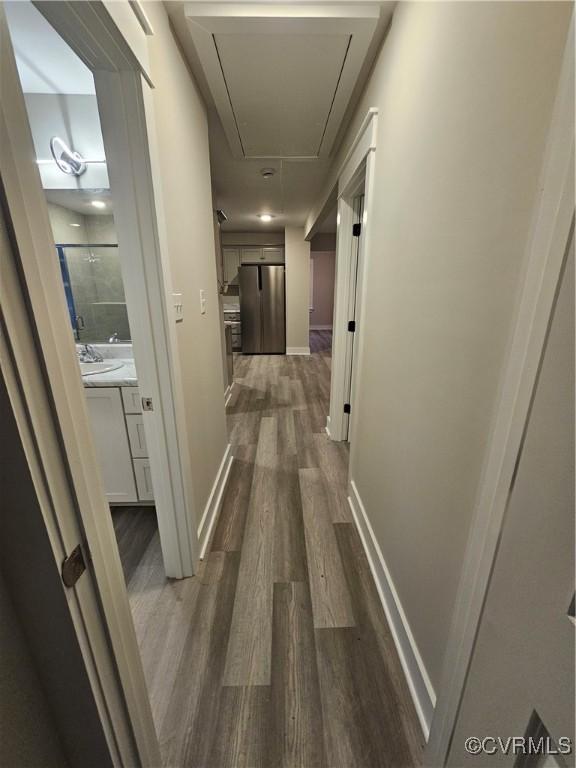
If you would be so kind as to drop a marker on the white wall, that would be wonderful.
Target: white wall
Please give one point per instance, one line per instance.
(464, 93)
(182, 133)
(297, 253)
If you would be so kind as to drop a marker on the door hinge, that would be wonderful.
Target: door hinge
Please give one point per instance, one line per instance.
(346, 407)
(147, 404)
(74, 566)
(352, 326)
(356, 230)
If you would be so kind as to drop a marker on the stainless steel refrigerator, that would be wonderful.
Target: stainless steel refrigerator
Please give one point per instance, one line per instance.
(262, 309)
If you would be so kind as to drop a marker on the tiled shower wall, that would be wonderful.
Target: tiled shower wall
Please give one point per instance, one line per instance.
(95, 273)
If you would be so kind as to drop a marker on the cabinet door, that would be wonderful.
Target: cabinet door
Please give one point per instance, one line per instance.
(136, 436)
(231, 264)
(273, 255)
(251, 255)
(143, 479)
(111, 440)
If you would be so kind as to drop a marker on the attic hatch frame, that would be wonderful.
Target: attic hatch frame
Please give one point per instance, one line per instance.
(206, 21)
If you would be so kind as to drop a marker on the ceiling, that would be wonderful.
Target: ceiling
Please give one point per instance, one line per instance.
(281, 83)
(60, 71)
(80, 200)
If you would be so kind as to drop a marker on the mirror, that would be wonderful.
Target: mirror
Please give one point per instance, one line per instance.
(89, 258)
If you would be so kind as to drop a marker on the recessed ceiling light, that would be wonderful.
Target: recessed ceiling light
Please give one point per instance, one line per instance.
(267, 172)
(266, 217)
(74, 224)
(98, 204)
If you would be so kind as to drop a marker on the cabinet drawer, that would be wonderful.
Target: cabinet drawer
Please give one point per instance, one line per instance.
(143, 479)
(136, 436)
(131, 400)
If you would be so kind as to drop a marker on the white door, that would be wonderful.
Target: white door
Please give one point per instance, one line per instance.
(521, 678)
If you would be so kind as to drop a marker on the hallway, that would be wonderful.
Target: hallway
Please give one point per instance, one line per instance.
(278, 652)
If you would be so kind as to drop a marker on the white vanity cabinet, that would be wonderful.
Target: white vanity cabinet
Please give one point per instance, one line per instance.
(118, 429)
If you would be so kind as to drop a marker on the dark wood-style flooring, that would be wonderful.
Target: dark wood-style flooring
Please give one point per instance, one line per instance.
(278, 652)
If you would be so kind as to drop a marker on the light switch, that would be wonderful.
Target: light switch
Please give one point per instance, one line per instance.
(178, 307)
(202, 301)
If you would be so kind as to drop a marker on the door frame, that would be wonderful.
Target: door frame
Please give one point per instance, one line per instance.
(117, 58)
(357, 171)
(547, 241)
(45, 388)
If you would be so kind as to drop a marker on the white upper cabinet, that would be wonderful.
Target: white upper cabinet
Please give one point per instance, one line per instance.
(266, 255)
(231, 264)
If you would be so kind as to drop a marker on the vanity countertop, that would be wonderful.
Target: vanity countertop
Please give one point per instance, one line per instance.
(121, 377)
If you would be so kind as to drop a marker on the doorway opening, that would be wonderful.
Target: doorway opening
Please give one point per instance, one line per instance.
(62, 110)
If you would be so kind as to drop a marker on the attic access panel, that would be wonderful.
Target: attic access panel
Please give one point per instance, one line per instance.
(281, 88)
(281, 76)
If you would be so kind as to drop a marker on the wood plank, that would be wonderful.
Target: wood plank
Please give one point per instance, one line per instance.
(232, 519)
(379, 646)
(296, 706)
(332, 459)
(289, 541)
(331, 602)
(134, 528)
(243, 729)
(198, 698)
(249, 648)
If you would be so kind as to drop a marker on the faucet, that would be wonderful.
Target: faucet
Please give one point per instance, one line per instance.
(88, 354)
(114, 338)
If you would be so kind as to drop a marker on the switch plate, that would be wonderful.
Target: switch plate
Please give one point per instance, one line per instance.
(178, 307)
(202, 301)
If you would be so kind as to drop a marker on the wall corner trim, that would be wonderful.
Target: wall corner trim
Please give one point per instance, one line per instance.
(214, 503)
(297, 350)
(421, 688)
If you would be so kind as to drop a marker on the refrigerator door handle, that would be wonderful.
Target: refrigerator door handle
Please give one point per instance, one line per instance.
(259, 277)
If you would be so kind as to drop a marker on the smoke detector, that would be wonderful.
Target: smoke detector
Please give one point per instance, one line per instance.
(267, 173)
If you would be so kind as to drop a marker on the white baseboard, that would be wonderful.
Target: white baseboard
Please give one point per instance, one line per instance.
(297, 350)
(228, 394)
(421, 688)
(320, 327)
(214, 502)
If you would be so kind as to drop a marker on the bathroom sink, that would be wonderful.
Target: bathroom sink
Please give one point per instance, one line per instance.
(90, 369)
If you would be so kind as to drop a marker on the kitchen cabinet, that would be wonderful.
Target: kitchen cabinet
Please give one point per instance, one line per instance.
(231, 264)
(267, 255)
(273, 255)
(111, 441)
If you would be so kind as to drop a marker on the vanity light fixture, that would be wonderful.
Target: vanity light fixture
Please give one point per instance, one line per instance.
(265, 217)
(98, 204)
(69, 161)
